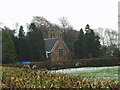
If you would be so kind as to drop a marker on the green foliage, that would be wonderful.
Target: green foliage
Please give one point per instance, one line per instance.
(22, 46)
(21, 32)
(79, 46)
(93, 44)
(87, 45)
(8, 48)
(36, 43)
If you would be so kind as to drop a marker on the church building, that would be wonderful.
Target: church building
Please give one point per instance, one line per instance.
(56, 49)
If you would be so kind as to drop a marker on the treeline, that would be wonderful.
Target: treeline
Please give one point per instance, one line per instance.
(30, 46)
(23, 48)
(92, 44)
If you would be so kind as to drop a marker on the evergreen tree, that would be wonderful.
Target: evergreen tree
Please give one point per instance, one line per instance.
(79, 46)
(36, 44)
(21, 33)
(92, 43)
(87, 45)
(8, 48)
(21, 46)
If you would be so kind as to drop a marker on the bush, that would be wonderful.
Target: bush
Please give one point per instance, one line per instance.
(98, 62)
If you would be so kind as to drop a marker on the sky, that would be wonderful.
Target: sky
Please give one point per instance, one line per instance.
(96, 13)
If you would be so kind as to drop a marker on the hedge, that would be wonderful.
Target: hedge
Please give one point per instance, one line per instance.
(98, 62)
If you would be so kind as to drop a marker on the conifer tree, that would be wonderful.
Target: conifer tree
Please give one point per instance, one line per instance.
(36, 43)
(92, 43)
(21, 45)
(8, 48)
(87, 45)
(79, 45)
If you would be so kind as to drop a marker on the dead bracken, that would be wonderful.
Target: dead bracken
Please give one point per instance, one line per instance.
(28, 78)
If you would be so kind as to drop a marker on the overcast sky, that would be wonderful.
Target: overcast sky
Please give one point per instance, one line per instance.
(96, 13)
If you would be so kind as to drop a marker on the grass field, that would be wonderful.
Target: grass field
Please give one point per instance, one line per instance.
(97, 72)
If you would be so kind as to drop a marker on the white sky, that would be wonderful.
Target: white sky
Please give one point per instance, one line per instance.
(96, 13)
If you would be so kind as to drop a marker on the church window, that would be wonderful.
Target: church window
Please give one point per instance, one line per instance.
(61, 53)
(52, 35)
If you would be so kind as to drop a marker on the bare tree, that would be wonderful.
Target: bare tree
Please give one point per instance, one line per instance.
(40, 21)
(111, 37)
(16, 30)
(64, 23)
(100, 33)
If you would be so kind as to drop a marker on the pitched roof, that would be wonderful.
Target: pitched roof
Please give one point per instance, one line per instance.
(49, 43)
